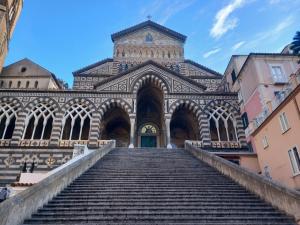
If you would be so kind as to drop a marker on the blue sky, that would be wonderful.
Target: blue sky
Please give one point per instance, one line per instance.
(64, 36)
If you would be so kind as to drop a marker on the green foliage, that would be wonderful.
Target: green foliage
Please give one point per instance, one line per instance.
(64, 84)
(296, 43)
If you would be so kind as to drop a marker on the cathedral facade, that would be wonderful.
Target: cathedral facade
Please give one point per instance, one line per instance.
(146, 95)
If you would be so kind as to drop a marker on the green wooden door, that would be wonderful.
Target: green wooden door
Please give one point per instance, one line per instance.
(148, 141)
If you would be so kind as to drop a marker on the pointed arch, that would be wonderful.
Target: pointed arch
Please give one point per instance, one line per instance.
(185, 122)
(222, 117)
(76, 122)
(39, 119)
(111, 103)
(9, 108)
(153, 78)
(115, 122)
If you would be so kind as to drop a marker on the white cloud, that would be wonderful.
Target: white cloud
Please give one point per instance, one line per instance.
(162, 11)
(272, 34)
(212, 52)
(173, 8)
(238, 45)
(222, 22)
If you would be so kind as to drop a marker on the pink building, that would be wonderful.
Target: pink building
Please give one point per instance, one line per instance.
(277, 137)
(259, 79)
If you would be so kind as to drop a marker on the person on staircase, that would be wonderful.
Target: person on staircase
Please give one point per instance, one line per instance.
(4, 194)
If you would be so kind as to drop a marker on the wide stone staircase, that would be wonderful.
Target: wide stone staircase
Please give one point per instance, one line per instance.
(155, 186)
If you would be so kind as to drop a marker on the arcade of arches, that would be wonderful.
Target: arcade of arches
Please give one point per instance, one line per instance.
(148, 127)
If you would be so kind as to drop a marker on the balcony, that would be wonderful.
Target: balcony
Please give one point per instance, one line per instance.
(280, 96)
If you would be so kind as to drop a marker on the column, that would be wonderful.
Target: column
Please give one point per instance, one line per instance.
(95, 130)
(56, 130)
(204, 130)
(168, 121)
(19, 128)
(132, 128)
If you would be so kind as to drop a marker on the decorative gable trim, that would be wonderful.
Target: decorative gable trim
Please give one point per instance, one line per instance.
(99, 63)
(153, 25)
(188, 61)
(132, 80)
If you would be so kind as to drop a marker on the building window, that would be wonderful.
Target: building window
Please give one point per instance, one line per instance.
(295, 160)
(19, 84)
(2, 83)
(240, 97)
(36, 84)
(222, 125)
(265, 142)
(245, 120)
(8, 115)
(283, 122)
(149, 38)
(278, 75)
(10, 84)
(39, 122)
(27, 84)
(250, 147)
(23, 69)
(76, 123)
(233, 76)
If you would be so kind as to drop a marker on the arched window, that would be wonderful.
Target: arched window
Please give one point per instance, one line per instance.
(10, 84)
(222, 125)
(19, 84)
(27, 84)
(76, 123)
(117, 53)
(36, 83)
(169, 55)
(2, 83)
(149, 130)
(39, 122)
(8, 115)
(123, 53)
(149, 38)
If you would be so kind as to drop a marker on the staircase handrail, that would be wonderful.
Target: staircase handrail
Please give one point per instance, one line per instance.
(279, 196)
(21, 206)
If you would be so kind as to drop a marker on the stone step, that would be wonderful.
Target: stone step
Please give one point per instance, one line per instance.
(146, 194)
(160, 203)
(178, 207)
(153, 214)
(198, 219)
(150, 200)
(172, 223)
(157, 187)
(151, 190)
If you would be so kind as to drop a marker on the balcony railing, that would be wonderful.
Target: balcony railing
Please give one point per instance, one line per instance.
(275, 102)
(216, 144)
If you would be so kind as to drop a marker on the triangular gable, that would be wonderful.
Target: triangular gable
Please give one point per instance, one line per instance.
(25, 67)
(196, 69)
(151, 24)
(101, 67)
(174, 82)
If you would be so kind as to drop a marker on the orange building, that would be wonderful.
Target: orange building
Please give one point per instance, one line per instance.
(9, 14)
(277, 137)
